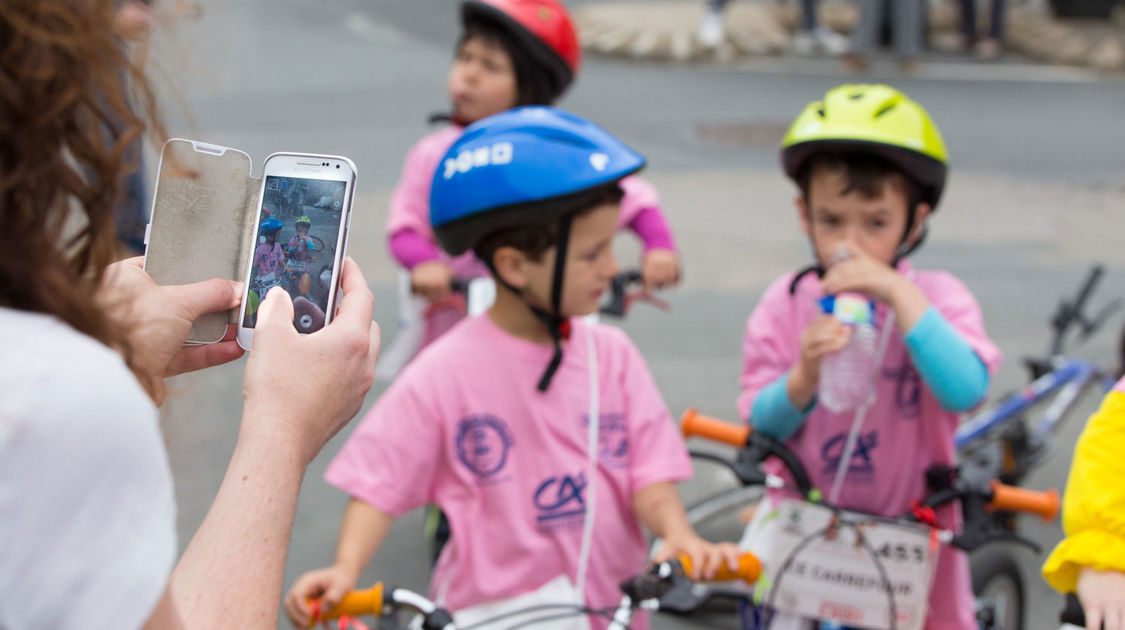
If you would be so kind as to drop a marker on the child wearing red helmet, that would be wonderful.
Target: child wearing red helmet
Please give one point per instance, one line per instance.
(511, 52)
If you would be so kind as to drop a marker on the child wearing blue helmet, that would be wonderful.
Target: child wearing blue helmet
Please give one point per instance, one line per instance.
(269, 259)
(543, 438)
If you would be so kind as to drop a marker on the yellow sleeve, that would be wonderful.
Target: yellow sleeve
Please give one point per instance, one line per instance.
(1094, 505)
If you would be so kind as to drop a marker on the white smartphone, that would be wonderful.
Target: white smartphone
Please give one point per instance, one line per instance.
(304, 210)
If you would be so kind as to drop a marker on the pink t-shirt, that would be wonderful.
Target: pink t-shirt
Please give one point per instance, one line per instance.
(465, 427)
(905, 432)
(269, 258)
(410, 201)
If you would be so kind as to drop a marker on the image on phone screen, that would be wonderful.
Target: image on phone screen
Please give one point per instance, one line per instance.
(298, 228)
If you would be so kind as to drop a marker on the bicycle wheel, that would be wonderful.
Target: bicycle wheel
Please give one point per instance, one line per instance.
(318, 245)
(997, 590)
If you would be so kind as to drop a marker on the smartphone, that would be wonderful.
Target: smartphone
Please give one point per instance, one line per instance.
(304, 210)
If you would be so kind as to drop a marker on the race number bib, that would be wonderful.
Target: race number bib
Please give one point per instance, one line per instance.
(823, 565)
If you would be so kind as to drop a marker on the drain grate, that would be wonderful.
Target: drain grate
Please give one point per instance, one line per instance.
(754, 134)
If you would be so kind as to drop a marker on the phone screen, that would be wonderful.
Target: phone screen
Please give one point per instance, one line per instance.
(298, 229)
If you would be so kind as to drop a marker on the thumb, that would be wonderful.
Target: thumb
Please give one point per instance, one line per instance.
(334, 591)
(275, 310)
(209, 296)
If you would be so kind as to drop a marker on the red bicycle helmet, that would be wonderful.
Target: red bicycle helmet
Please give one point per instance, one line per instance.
(543, 27)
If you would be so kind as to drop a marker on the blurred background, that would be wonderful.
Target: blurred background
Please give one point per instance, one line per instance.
(1033, 122)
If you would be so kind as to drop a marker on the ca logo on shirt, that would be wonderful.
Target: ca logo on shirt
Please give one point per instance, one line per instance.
(861, 467)
(560, 501)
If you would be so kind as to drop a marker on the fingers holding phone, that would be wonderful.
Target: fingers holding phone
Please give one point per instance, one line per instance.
(306, 387)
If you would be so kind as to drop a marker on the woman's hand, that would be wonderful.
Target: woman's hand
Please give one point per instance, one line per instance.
(157, 321)
(305, 407)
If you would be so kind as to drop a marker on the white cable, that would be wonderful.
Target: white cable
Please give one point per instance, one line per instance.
(861, 413)
(593, 421)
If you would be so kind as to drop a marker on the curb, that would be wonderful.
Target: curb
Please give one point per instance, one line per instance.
(665, 30)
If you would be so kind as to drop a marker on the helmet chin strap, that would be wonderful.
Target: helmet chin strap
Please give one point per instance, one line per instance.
(557, 325)
(903, 250)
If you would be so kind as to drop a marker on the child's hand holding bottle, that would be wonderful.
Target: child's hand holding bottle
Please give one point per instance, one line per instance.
(821, 338)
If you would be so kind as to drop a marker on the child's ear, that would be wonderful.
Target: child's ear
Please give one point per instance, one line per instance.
(802, 214)
(921, 213)
(511, 266)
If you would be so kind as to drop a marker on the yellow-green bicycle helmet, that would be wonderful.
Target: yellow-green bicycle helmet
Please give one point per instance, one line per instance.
(875, 119)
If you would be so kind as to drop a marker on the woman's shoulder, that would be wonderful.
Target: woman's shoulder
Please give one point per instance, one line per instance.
(53, 369)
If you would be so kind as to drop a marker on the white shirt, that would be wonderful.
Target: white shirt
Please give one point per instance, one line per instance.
(87, 511)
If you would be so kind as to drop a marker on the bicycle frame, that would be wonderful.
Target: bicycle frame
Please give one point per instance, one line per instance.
(1069, 378)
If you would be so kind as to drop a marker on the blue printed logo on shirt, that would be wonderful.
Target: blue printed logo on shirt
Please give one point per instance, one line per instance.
(860, 468)
(560, 501)
(483, 443)
(908, 389)
(613, 439)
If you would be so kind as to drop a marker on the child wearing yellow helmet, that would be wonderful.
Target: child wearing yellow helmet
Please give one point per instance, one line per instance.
(871, 166)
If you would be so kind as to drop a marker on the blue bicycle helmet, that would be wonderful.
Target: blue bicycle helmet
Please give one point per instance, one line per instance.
(270, 224)
(496, 171)
(500, 172)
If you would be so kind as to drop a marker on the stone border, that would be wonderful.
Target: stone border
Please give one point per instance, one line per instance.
(665, 30)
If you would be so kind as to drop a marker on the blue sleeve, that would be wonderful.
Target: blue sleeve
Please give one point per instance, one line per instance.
(774, 414)
(953, 372)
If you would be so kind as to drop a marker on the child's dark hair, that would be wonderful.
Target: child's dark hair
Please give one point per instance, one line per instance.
(532, 85)
(534, 238)
(864, 173)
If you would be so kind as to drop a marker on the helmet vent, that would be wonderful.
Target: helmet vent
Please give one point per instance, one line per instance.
(855, 96)
(884, 109)
(820, 112)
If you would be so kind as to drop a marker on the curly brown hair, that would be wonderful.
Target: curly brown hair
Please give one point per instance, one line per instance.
(69, 94)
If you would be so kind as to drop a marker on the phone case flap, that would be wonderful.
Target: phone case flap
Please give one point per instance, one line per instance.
(203, 222)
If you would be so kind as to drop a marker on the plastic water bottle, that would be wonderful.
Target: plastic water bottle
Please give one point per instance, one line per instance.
(847, 377)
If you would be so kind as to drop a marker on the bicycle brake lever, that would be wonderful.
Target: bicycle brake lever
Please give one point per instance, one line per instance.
(1107, 311)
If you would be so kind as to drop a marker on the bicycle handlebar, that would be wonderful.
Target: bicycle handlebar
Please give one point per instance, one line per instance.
(1088, 287)
(749, 569)
(1070, 313)
(755, 446)
(367, 601)
(1014, 499)
(694, 423)
(371, 601)
(618, 303)
(459, 285)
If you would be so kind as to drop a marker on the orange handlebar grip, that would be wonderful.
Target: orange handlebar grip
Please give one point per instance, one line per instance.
(1013, 499)
(364, 602)
(749, 568)
(694, 423)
